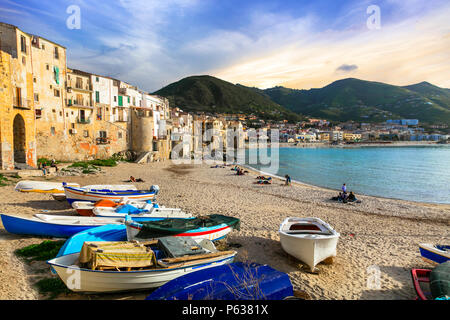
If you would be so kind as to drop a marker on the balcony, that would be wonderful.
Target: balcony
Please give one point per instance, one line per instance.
(78, 104)
(83, 120)
(21, 103)
(79, 87)
(102, 140)
(123, 91)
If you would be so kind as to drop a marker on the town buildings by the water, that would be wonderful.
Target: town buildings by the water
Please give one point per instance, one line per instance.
(49, 110)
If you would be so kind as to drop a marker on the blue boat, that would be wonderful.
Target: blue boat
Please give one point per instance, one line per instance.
(435, 254)
(93, 195)
(37, 227)
(109, 232)
(235, 281)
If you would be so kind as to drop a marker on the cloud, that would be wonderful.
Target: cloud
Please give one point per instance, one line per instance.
(347, 67)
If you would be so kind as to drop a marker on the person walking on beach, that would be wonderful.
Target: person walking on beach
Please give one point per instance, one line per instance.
(288, 180)
(344, 188)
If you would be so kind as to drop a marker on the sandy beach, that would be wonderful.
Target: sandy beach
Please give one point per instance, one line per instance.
(377, 233)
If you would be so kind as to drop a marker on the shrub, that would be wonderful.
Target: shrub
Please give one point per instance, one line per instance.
(46, 250)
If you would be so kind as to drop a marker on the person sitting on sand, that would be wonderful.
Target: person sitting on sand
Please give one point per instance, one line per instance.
(351, 197)
(53, 164)
(288, 180)
(133, 179)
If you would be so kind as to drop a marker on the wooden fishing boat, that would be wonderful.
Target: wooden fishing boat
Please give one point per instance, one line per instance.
(94, 195)
(310, 240)
(434, 254)
(42, 186)
(52, 226)
(85, 208)
(147, 269)
(234, 281)
(213, 227)
(137, 210)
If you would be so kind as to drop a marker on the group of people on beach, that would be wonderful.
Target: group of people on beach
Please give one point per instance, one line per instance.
(344, 197)
(43, 166)
(239, 171)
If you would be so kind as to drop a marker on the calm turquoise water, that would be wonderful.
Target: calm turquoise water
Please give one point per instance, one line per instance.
(409, 173)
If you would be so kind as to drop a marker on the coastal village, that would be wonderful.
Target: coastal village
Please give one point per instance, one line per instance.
(51, 111)
(309, 242)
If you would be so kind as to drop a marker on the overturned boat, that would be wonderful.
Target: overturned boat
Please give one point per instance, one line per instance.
(42, 186)
(310, 240)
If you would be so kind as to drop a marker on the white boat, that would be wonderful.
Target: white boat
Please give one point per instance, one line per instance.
(150, 211)
(310, 240)
(80, 279)
(42, 186)
(434, 253)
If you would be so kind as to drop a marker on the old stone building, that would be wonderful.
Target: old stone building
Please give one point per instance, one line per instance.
(17, 119)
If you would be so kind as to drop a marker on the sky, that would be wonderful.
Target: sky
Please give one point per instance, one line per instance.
(263, 43)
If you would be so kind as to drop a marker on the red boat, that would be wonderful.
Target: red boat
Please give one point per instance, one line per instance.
(421, 276)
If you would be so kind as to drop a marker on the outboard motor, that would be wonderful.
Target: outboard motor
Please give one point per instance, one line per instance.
(154, 188)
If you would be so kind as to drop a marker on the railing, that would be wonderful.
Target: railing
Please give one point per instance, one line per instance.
(102, 140)
(123, 91)
(78, 104)
(21, 103)
(83, 120)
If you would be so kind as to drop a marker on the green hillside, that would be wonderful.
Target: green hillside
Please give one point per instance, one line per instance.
(209, 94)
(359, 100)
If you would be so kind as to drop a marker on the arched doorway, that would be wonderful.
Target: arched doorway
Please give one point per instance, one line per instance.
(19, 139)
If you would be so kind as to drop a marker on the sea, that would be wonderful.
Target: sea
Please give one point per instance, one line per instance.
(415, 173)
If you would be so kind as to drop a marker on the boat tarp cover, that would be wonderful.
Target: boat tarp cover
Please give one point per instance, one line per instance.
(128, 208)
(440, 280)
(120, 254)
(173, 226)
(180, 246)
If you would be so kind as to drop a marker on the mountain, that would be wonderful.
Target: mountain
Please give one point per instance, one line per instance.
(210, 94)
(368, 101)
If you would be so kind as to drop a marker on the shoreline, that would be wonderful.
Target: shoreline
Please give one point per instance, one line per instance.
(381, 232)
(298, 182)
(353, 145)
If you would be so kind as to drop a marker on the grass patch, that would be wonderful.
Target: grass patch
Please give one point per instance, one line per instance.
(3, 180)
(92, 163)
(52, 286)
(46, 250)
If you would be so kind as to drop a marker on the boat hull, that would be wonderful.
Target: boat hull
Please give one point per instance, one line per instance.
(78, 194)
(18, 225)
(42, 186)
(310, 248)
(432, 254)
(94, 281)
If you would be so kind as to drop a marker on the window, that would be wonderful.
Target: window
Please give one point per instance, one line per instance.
(97, 96)
(86, 133)
(56, 53)
(52, 131)
(47, 66)
(56, 74)
(36, 97)
(121, 101)
(43, 46)
(53, 110)
(24, 61)
(102, 134)
(128, 99)
(97, 79)
(119, 135)
(60, 113)
(56, 91)
(79, 83)
(34, 79)
(72, 125)
(23, 44)
(115, 98)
